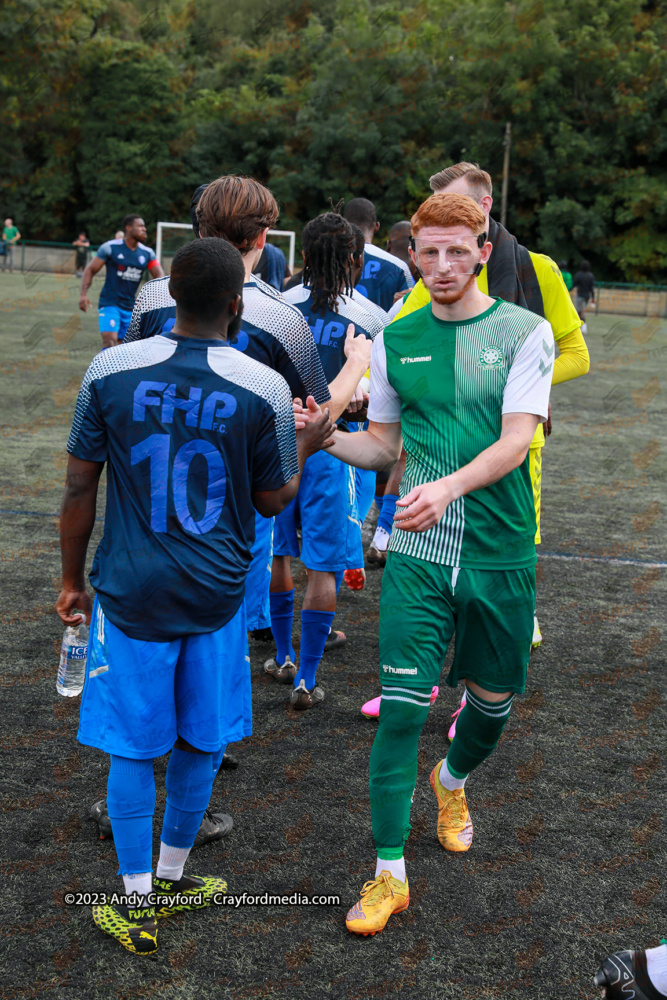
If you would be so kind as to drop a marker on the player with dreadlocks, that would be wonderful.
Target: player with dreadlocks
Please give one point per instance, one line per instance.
(324, 502)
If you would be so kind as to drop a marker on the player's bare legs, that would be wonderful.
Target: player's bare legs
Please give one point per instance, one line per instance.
(109, 339)
(281, 574)
(320, 592)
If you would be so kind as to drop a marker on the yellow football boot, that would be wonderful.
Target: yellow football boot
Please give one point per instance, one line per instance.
(380, 897)
(454, 823)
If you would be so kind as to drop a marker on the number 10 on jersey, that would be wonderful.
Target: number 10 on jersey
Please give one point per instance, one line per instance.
(156, 449)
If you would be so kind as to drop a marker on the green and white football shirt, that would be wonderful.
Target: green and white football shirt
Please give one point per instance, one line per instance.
(449, 384)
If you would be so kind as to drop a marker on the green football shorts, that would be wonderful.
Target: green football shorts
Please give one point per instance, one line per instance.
(424, 603)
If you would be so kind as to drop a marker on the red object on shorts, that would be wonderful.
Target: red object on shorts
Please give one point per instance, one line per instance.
(355, 578)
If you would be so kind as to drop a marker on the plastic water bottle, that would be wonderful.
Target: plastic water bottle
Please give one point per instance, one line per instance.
(73, 655)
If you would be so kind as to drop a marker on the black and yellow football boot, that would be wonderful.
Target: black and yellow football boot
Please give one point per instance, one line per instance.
(135, 928)
(189, 893)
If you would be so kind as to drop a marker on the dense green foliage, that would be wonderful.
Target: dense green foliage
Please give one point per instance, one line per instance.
(109, 106)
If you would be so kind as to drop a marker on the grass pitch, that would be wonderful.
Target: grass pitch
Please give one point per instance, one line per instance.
(567, 863)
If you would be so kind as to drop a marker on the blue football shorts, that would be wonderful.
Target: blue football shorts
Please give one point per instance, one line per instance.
(258, 580)
(115, 319)
(323, 507)
(139, 696)
(364, 485)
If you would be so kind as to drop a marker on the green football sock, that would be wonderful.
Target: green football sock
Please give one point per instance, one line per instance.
(393, 767)
(478, 729)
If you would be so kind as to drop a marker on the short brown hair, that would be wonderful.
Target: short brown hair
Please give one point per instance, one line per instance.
(237, 209)
(449, 210)
(479, 181)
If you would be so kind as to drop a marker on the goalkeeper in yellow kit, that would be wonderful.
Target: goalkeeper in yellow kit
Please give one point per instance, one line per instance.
(529, 279)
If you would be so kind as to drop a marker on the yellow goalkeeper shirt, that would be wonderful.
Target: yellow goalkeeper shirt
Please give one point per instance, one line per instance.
(573, 359)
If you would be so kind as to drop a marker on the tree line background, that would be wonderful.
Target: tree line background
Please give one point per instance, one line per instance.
(109, 106)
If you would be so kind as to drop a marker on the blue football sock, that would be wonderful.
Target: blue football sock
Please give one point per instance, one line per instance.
(282, 615)
(189, 784)
(131, 804)
(378, 501)
(386, 518)
(315, 628)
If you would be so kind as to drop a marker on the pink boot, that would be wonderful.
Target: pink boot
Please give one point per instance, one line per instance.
(452, 729)
(372, 708)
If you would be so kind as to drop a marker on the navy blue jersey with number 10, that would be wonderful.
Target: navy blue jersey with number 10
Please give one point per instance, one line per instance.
(189, 429)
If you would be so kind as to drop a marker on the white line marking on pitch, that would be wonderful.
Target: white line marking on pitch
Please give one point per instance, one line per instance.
(603, 559)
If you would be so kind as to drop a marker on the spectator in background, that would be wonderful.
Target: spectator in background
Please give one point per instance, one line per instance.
(584, 290)
(567, 274)
(10, 237)
(81, 243)
(272, 267)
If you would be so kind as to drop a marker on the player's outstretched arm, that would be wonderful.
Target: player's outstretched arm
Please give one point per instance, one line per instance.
(378, 448)
(95, 265)
(343, 387)
(425, 505)
(312, 435)
(77, 517)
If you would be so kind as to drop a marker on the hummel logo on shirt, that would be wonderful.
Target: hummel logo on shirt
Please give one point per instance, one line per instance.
(545, 369)
(404, 361)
